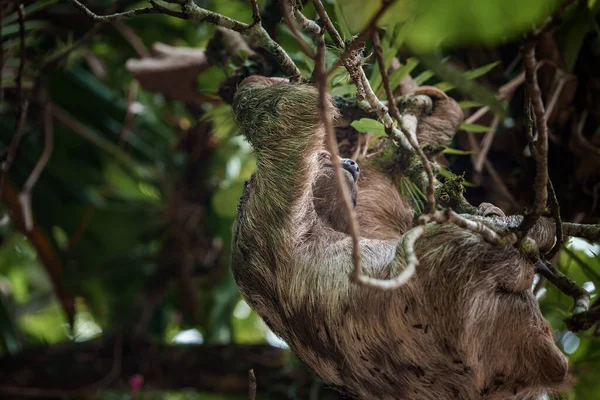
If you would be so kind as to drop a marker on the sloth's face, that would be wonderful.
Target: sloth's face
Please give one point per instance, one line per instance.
(349, 167)
(325, 193)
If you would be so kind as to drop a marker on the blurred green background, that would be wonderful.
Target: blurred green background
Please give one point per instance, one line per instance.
(122, 287)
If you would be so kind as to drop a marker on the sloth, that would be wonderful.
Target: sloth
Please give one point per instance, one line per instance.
(465, 326)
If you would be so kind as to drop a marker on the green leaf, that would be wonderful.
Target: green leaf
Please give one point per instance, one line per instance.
(399, 74)
(343, 90)
(341, 22)
(457, 152)
(357, 14)
(481, 71)
(473, 74)
(369, 125)
(474, 128)
(462, 82)
(469, 104)
(423, 77)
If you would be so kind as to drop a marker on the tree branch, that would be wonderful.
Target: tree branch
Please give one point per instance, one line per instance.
(191, 11)
(25, 195)
(580, 297)
(287, 16)
(588, 232)
(541, 145)
(330, 141)
(333, 33)
(405, 121)
(114, 17)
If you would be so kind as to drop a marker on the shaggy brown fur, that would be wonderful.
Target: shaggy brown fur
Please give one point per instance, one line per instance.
(466, 326)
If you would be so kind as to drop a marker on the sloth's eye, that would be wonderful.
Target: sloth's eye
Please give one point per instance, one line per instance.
(324, 155)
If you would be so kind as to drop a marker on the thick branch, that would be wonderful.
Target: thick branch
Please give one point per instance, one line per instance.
(585, 320)
(588, 232)
(566, 285)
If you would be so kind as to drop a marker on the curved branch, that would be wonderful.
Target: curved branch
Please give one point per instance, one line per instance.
(190, 11)
(114, 17)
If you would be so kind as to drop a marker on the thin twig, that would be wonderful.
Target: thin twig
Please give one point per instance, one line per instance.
(385, 78)
(114, 17)
(25, 195)
(309, 25)
(541, 145)
(132, 38)
(404, 122)
(359, 42)
(552, 21)
(555, 210)
(251, 385)
(330, 141)
(412, 262)
(255, 12)
(287, 16)
(486, 144)
(328, 25)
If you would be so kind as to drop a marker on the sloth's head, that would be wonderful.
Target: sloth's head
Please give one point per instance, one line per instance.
(325, 189)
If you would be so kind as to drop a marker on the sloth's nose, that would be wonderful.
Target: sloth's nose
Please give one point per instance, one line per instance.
(352, 167)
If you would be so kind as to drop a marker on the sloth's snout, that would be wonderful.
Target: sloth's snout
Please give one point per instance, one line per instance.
(352, 167)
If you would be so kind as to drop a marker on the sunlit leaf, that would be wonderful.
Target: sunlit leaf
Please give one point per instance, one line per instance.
(474, 128)
(401, 73)
(369, 125)
(481, 71)
(457, 152)
(423, 77)
(340, 20)
(469, 104)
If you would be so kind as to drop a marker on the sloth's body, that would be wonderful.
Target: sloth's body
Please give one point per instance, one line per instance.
(466, 326)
